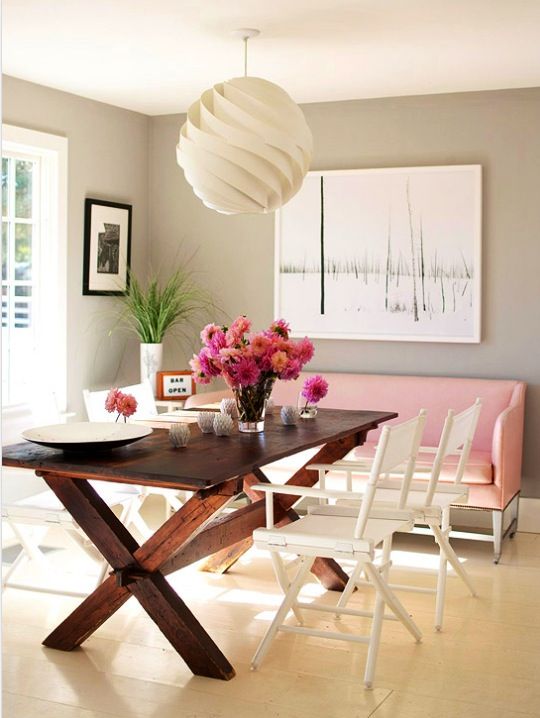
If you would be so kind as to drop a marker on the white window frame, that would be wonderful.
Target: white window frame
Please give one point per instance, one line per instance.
(50, 307)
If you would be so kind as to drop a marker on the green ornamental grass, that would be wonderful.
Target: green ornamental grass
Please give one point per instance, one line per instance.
(151, 311)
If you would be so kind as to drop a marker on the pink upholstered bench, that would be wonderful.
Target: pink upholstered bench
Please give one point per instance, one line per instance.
(493, 473)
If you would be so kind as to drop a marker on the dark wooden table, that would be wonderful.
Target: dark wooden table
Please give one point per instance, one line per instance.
(216, 469)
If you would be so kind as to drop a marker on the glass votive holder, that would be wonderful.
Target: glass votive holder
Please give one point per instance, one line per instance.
(289, 415)
(305, 409)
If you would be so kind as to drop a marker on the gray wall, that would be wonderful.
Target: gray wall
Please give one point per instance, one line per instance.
(499, 130)
(108, 159)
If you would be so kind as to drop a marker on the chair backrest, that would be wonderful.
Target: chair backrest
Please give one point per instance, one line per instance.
(458, 433)
(398, 445)
(94, 402)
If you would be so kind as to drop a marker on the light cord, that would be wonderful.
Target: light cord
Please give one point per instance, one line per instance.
(245, 55)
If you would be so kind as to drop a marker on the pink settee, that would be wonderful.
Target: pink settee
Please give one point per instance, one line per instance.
(494, 470)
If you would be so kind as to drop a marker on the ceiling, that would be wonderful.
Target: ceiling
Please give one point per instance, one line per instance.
(157, 56)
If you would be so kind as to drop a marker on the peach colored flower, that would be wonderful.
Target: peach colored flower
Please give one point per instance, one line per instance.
(279, 361)
(259, 344)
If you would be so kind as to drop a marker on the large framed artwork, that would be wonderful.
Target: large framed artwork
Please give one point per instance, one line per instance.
(107, 247)
(385, 254)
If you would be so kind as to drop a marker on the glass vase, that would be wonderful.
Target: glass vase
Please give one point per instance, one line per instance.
(251, 405)
(305, 409)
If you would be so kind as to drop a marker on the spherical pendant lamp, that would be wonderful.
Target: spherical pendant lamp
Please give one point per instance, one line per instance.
(245, 146)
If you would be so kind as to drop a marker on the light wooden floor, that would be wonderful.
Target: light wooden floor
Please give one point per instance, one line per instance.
(486, 663)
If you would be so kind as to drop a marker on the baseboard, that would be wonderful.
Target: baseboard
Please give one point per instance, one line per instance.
(529, 516)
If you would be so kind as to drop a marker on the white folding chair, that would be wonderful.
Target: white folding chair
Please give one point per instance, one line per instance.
(30, 518)
(344, 533)
(94, 402)
(30, 509)
(430, 500)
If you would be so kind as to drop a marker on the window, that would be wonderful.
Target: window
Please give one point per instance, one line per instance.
(33, 265)
(20, 250)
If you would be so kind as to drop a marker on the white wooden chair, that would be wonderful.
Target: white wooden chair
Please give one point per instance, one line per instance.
(94, 402)
(430, 500)
(30, 509)
(30, 518)
(344, 533)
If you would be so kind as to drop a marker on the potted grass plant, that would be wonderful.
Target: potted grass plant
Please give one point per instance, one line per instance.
(157, 308)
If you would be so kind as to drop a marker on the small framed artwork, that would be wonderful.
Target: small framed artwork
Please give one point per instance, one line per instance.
(174, 385)
(107, 247)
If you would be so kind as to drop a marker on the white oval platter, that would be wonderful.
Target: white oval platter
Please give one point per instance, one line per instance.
(85, 435)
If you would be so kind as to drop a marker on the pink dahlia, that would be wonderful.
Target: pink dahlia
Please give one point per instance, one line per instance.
(126, 404)
(208, 332)
(305, 350)
(238, 328)
(281, 327)
(112, 398)
(315, 388)
(209, 365)
(247, 372)
(198, 375)
(217, 342)
(292, 370)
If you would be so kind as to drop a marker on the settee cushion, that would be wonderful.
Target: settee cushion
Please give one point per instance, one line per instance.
(479, 468)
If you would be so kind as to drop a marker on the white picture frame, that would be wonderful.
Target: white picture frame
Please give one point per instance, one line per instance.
(361, 222)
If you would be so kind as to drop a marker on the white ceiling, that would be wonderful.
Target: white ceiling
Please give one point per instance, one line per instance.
(156, 56)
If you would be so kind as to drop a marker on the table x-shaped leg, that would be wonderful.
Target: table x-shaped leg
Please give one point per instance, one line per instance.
(136, 571)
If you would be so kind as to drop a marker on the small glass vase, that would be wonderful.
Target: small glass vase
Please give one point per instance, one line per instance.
(305, 409)
(251, 405)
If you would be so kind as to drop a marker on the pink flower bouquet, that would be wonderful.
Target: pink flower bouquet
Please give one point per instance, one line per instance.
(124, 404)
(250, 363)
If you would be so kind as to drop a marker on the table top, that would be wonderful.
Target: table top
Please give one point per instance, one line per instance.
(206, 461)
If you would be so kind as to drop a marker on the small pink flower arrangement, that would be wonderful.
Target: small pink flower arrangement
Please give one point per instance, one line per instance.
(124, 404)
(245, 359)
(315, 388)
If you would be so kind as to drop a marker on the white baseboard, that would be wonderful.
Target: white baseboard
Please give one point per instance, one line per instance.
(529, 516)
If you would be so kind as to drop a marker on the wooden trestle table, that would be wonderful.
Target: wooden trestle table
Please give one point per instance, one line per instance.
(216, 469)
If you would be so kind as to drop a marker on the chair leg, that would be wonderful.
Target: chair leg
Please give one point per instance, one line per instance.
(349, 588)
(398, 609)
(450, 555)
(283, 580)
(378, 616)
(21, 558)
(515, 516)
(441, 578)
(497, 519)
(30, 541)
(306, 563)
(174, 502)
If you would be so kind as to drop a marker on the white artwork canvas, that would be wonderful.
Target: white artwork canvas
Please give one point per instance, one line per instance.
(389, 254)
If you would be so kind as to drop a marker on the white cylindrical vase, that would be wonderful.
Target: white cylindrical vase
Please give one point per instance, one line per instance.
(151, 363)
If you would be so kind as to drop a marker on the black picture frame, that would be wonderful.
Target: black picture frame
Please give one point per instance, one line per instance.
(107, 254)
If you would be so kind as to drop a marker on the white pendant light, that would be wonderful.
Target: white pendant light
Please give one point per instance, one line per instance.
(245, 146)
